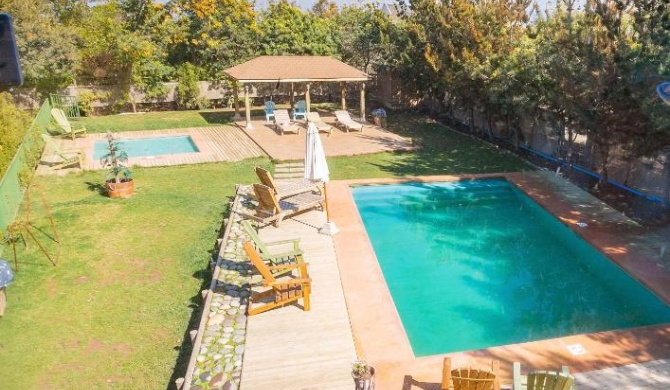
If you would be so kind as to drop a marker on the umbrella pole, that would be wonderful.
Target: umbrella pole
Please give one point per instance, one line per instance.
(329, 228)
(325, 202)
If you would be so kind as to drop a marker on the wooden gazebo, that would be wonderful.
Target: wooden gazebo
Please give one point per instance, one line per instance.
(294, 69)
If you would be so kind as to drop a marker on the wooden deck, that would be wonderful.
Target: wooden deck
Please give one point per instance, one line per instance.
(288, 348)
(373, 139)
(217, 143)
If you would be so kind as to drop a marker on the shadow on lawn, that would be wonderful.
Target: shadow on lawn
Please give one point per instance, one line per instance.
(221, 118)
(440, 150)
(197, 303)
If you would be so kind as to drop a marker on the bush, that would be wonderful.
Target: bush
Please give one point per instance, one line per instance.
(188, 90)
(14, 124)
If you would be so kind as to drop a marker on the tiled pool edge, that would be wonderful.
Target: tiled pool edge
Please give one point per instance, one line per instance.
(218, 346)
(380, 336)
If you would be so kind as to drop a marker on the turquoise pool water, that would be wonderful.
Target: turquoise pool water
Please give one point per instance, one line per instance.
(476, 264)
(146, 147)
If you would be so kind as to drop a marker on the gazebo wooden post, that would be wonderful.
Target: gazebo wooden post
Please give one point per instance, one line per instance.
(236, 96)
(290, 98)
(362, 101)
(343, 95)
(247, 107)
(307, 98)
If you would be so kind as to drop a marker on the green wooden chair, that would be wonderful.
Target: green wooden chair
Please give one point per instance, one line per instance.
(279, 291)
(67, 157)
(291, 256)
(543, 380)
(64, 125)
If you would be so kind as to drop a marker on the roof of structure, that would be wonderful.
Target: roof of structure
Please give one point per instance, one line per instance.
(291, 69)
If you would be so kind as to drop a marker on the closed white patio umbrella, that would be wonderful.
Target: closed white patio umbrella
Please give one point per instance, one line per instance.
(316, 169)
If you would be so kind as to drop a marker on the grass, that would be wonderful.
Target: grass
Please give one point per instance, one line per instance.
(115, 310)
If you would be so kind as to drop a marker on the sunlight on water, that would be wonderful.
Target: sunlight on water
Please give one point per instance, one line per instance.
(477, 264)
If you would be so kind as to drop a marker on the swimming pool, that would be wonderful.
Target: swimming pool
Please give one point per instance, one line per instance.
(148, 147)
(476, 264)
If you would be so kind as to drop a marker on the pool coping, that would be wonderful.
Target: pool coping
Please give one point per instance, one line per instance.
(204, 149)
(381, 339)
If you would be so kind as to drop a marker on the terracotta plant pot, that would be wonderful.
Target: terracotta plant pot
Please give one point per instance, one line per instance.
(365, 381)
(124, 189)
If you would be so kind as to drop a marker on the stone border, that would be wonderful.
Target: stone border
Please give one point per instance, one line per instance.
(218, 345)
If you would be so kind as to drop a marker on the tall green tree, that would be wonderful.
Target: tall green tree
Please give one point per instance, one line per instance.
(288, 30)
(219, 33)
(47, 48)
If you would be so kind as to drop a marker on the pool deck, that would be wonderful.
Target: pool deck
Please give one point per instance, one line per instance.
(378, 333)
(373, 139)
(216, 143)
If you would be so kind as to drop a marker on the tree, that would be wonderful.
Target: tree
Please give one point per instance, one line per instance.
(219, 33)
(286, 29)
(46, 48)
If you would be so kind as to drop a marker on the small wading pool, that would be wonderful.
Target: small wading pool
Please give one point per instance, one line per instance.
(148, 147)
(476, 264)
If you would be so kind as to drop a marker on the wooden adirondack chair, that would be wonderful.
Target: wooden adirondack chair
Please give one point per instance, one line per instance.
(291, 256)
(470, 378)
(67, 157)
(269, 110)
(284, 124)
(289, 187)
(64, 125)
(271, 210)
(300, 110)
(543, 380)
(280, 291)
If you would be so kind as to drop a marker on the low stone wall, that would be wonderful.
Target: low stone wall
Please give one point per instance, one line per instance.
(218, 350)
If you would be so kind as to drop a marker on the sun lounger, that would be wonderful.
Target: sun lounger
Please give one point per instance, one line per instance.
(272, 210)
(287, 187)
(314, 117)
(344, 119)
(284, 124)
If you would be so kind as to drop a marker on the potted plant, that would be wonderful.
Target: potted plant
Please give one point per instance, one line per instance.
(119, 182)
(363, 375)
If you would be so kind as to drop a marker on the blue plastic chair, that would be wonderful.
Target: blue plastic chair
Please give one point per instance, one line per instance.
(300, 110)
(269, 110)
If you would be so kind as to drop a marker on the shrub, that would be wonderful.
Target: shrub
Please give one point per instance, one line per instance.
(188, 90)
(14, 124)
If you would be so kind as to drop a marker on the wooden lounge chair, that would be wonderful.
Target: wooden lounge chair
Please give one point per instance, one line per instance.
(64, 125)
(314, 117)
(290, 256)
(66, 157)
(300, 110)
(470, 378)
(344, 119)
(284, 124)
(288, 187)
(281, 291)
(543, 380)
(271, 210)
(269, 110)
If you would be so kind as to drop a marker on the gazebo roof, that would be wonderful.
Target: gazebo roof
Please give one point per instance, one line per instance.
(292, 69)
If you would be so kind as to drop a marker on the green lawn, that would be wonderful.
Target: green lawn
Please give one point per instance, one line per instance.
(115, 310)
